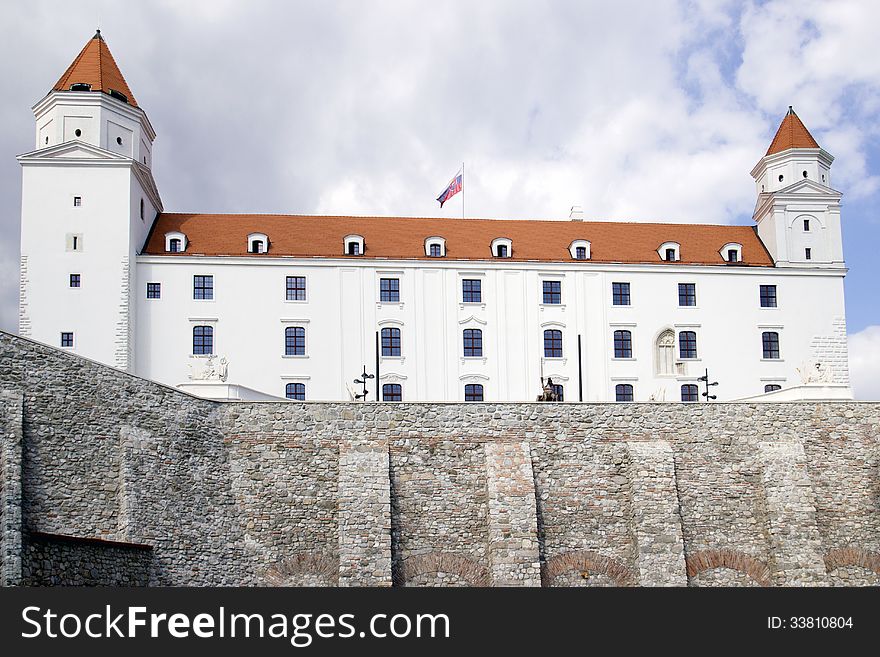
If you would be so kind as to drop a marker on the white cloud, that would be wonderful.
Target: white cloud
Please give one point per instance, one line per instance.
(864, 363)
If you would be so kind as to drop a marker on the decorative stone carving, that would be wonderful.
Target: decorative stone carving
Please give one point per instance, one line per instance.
(210, 370)
(812, 373)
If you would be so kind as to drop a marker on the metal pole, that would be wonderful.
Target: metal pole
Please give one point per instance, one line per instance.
(462, 190)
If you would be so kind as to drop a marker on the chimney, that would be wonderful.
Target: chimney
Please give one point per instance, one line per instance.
(576, 213)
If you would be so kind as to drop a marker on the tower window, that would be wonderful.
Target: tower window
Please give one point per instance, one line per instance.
(203, 287)
(689, 393)
(391, 342)
(471, 291)
(805, 175)
(770, 343)
(781, 178)
(473, 392)
(119, 140)
(296, 288)
(623, 344)
(295, 391)
(47, 140)
(67, 339)
(389, 290)
(80, 86)
(74, 280)
(807, 225)
(620, 294)
(203, 340)
(473, 343)
(154, 290)
(808, 253)
(772, 387)
(77, 132)
(623, 392)
(142, 209)
(392, 392)
(768, 296)
(687, 344)
(552, 343)
(687, 294)
(294, 341)
(77, 201)
(552, 292)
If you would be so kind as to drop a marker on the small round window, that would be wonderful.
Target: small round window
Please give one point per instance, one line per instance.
(781, 177)
(119, 141)
(78, 132)
(805, 174)
(47, 140)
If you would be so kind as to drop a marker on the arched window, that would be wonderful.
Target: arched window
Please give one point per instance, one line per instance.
(670, 251)
(392, 392)
(435, 247)
(689, 393)
(473, 342)
(623, 344)
(666, 353)
(295, 391)
(552, 343)
(473, 392)
(294, 341)
(687, 344)
(175, 242)
(354, 245)
(174, 245)
(623, 392)
(772, 387)
(502, 247)
(391, 342)
(258, 243)
(770, 343)
(203, 340)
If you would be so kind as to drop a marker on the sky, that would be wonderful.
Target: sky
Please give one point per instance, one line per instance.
(637, 111)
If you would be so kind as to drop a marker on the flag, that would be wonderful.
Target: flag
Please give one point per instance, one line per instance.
(453, 188)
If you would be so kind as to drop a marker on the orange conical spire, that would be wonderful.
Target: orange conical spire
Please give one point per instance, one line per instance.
(95, 67)
(792, 133)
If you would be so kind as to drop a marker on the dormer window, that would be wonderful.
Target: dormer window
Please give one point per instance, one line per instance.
(731, 252)
(670, 251)
(502, 247)
(435, 247)
(354, 245)
(80, 86)
(175, 242)
(258, 243)
(579, 250)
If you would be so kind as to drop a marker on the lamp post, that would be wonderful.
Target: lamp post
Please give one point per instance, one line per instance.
(705, 380)
(363, 381)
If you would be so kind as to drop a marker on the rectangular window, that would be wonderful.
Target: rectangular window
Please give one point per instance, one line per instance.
(473, 343)
(623, 392)
(553, 292)
(768, 296)
(203, 287)
(354, 248)
(391, 342)
(623, 344)
(687, 294)
(389, 290)
(471, 291)
(808, 253)
(807, 225)
(552, 343)
(620, 294)
(473, 392)
(670, 255)
(296, 288)
(772, 387)
(77, 201)
(687, 344)
(732, 255)
(580, 253)
(74, 280)
(770, 343)
(392, 392)
(203, 340)
(154, 290)
(434, 250)
(67, 339)
(294, 341)
(558, 391)
(689, 393)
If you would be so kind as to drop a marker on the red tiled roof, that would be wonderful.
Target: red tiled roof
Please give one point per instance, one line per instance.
(792, 133)
(95, 66)
(466, 239)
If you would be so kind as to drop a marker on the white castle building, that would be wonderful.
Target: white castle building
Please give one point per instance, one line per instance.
(267, 306)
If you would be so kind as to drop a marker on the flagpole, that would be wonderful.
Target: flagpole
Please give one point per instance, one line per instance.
(462, 190)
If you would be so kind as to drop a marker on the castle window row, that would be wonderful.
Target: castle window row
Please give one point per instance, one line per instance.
(471, 291)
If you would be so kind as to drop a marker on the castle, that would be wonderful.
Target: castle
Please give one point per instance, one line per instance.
(267, 306)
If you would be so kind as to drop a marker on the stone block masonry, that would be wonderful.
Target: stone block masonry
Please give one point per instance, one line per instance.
(111, 479)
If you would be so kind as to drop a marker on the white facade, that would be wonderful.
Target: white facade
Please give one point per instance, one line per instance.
(95, 188)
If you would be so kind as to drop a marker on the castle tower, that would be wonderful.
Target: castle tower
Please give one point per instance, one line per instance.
(88, 203)
(798, 213)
